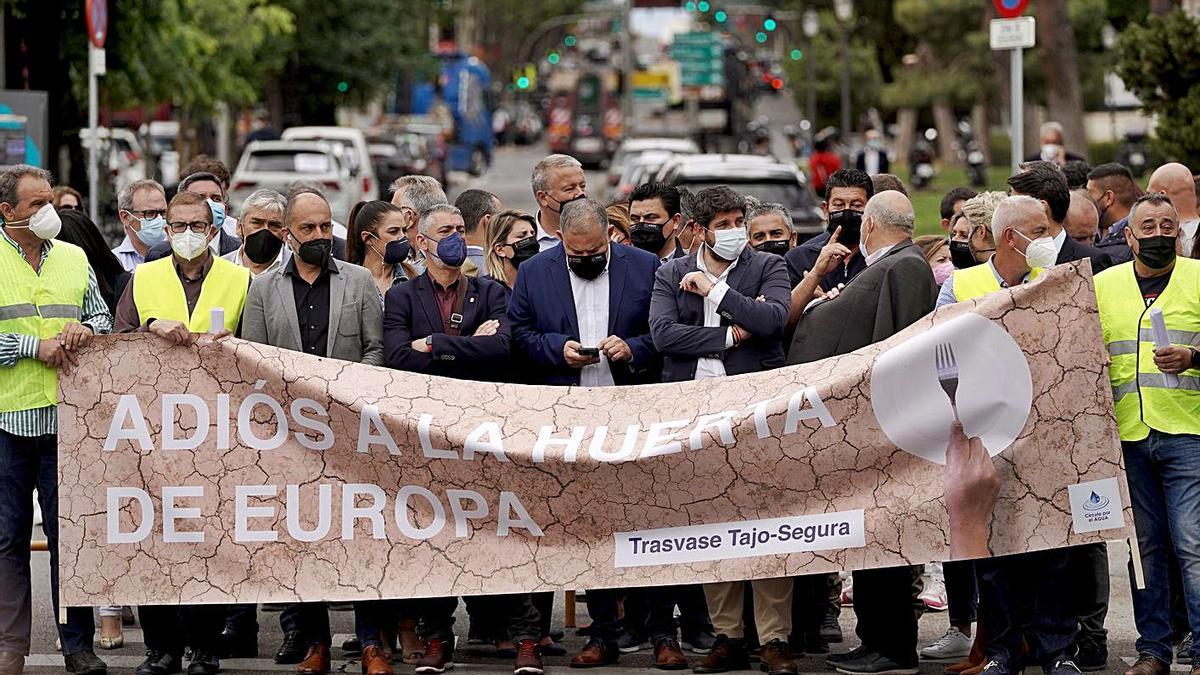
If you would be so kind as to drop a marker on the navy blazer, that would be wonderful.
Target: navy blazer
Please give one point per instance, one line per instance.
(677, 317)
(542, 311)
(410, 313)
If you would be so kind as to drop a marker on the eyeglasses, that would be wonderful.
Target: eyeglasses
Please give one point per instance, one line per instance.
(199, 227)
(148, 214)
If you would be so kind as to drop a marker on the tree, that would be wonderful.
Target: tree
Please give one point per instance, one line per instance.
(866, 77)
(1160, 63)
(1056, 37)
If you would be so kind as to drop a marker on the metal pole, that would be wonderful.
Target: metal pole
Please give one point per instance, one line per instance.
(630, 67)
(93, 147)
(812, 89)
(1017, 96)
(845, 84)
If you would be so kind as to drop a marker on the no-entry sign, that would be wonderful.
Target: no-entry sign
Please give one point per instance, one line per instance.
(97, 21)
(1008, 9)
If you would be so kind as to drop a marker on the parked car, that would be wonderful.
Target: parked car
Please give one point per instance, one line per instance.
(423, 148)
(631, 148)
(752, 176)
(358, 157)
(121, 154)
(641, 169)
(277, 164)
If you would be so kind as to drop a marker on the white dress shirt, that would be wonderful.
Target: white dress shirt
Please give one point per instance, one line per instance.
(706, 368)
(1059, 240)
(545, 239)
(591, 311)
(280, 260)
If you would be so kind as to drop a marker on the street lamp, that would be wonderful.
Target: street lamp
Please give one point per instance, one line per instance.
(811, 26)
(845, 11)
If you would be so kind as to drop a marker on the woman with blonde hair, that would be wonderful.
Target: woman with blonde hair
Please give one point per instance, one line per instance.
(971, 232)
(509, 240)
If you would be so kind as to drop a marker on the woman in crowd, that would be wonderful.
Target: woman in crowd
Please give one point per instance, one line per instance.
(618, 222)
(375, 239)
(511, 239)
(937, 254)
(67, 197)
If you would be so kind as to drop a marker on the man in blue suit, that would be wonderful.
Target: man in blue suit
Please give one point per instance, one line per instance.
(586, 295)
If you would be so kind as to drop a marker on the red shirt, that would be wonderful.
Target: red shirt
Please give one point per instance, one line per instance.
(821, 164)
(445, 298)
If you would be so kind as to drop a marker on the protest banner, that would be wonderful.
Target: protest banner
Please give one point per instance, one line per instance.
(227, 471)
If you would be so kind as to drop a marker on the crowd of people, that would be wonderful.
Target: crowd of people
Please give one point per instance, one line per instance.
(671, 286)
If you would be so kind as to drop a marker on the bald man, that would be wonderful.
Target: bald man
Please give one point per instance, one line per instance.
(1175, 181)
(1083, 219)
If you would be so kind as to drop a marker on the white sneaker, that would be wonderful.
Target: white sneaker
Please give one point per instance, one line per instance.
(952, 645)
(934, 594)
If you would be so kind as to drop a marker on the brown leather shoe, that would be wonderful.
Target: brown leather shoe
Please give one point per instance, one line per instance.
(727, 654)
(528, 661)
(1148, 665)
(668, 655)
(439, 656)
(595, 654)
(777, 659)
(374, 662)
(316, 662)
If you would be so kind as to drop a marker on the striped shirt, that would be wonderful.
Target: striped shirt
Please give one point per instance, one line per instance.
(16, 346)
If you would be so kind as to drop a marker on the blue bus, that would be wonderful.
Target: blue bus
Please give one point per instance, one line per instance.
(463, 84)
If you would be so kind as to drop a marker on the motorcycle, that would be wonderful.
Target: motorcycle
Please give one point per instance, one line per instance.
(1132, 152)
(971, 151)
(920, 160)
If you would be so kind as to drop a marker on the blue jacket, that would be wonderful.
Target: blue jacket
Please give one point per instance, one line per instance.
(542, 311)
(411, 313)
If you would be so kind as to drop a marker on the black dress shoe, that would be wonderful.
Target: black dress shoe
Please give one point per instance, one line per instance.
(159, 663)
(233, 646)
(203, 663)
(85, 663)
(293, 648)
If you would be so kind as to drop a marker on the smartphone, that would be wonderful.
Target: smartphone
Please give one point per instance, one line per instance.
(590, 351)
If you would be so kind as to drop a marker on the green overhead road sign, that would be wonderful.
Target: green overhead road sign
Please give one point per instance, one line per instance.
(700, 57)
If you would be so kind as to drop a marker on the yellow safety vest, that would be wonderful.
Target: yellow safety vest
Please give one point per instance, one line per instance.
(158, 294)
(39, 304)
(1142, 398)
(980, 280)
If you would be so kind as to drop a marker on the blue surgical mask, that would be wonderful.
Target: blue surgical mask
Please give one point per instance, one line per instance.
(153, 230)
(452, 250)
(218, 213)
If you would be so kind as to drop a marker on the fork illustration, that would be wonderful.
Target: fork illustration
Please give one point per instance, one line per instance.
(947, 373)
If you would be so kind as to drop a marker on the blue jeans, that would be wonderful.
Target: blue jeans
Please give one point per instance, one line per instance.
(26, 463)
(1164, 486)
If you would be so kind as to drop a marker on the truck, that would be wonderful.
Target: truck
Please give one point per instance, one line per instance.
(459, 100)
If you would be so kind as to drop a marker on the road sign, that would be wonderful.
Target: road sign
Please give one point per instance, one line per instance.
(1016, 33)
(1009, 9)
(96, 12)
(701, 58)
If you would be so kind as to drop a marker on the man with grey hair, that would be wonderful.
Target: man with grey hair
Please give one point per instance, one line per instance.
(580, 315)
(262, 232)
(1020, 227)
(142, 208)
(894, 290)
(1052, 147)
(416, 194)
(770, 228)
(557, 179)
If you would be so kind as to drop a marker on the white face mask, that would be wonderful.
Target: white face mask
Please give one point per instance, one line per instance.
(44, 224)
(1040, 252)
(729, 243)
(189, 245)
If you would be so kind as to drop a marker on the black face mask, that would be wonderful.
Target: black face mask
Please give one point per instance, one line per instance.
(1156, 252)
(316, 252)
(396, 251)
(776, 246)
(961, 255)
(588, 266)
(647, 236)
(524, 249)
(850, 221)
(262, 247)
(562, 204)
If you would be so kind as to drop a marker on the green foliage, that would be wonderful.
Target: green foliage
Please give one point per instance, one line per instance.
(866, 78)
(1160, 63)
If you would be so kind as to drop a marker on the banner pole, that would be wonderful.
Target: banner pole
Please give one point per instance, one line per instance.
(1135, 553)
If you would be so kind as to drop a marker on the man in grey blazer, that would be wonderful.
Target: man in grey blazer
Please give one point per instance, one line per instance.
(894, 290)
(325, 307)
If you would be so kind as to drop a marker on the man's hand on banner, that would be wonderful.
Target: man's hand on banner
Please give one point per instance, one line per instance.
(1173, 360)
(696, 282)
(174, 331)
(574, 358)
(615, 348)
(52, 353)
(75, 335)
(972, 486)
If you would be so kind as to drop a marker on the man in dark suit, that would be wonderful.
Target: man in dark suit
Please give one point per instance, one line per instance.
(716, 313)
(846, 194)
(896, 289)
(446, 323)
(1047, 182)
(872, 159)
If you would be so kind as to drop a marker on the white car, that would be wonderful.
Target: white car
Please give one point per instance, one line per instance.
(121, 151)
(631, 148)
(357, 154)
(276, 165)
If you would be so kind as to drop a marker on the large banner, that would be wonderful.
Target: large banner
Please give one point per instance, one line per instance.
(230, 471)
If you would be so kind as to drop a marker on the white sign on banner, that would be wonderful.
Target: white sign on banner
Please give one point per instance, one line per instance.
(1015, 33)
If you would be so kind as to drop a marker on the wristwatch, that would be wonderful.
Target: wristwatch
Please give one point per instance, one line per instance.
(1195, 357)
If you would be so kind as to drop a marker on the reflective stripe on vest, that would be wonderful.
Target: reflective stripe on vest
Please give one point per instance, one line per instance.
(1142, 397)
(979, 280)
(40, 304)
(158, 294)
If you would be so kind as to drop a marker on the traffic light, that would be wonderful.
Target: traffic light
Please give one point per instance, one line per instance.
(769, 24)
(569, 41)
(796, 54)
(553, 58)
(720, 16)
(703, 6)
(690, 6)
(343, 87)
(522, 82)
(760, 37)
